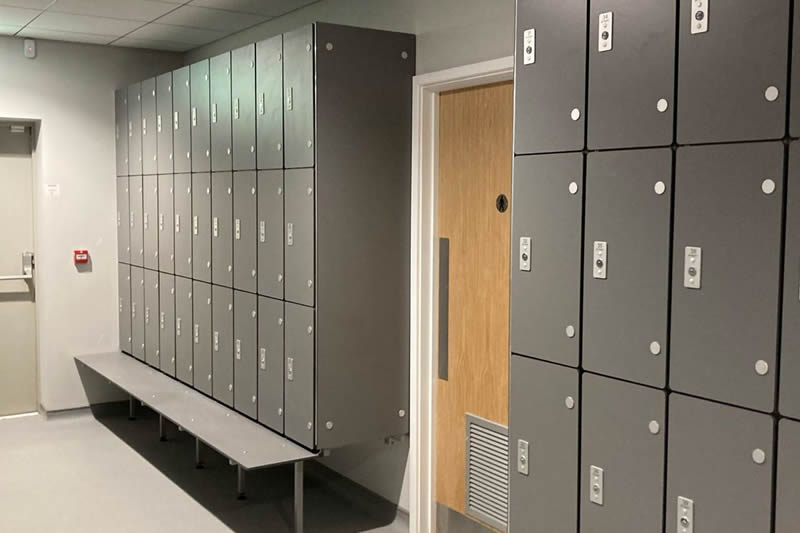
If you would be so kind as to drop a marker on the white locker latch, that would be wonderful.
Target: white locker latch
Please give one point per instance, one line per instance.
(197, 333)
(699, 19)
(289, 98)
(261, 104)
(605, 33)
(289, 234)
(600, 260)
(525, 254)
(161, 222)
(529, 47)
(161, 320)
(692, 267)
(238, 350)
(177, 223)
(213, 113)
(522, 457)
(175, 121)
(290, 368)
(237, 229)
(158, 124)
(216, 226)
(178, 326)
(596, 485)
(194, 224)
(236, 108)
(262, 231)
(685, 522)
(194, 117)
(262, 361)
(216, 341)
(146, 315)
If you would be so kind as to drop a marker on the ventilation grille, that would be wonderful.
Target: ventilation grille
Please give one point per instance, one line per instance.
(487, 472)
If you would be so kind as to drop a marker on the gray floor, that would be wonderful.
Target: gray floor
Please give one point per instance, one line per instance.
(87, 473)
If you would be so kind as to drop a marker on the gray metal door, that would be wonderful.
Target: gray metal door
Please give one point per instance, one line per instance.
(623, 439)
(790, 342)
(184, 361)
(121, 130)
(221, 147)
(151, 319)
(269, 102)
(626, 264)
(123, 221)
(245, 350)
(244, 231)
(550, 76)
(150, 221)
(222, 228)
(182, 224)
(166, 318)
(164, 122)
(135, 199)
(794, 117)
(270, 233)
(299, 236)
(732, 88)
(243, 102)
(787, 510)
(202, 335)
(137, 312)
(719, 468)
(726, 275)
(201, 227)
(181, 120)
(124, 285)
(222, 342)
(543, 424)
(630, 102)
(135, 129)
(200, 117)
(166, 227)
(270, 363)
(298, 100)
(545, 266)
(149, 129)
(299, 374)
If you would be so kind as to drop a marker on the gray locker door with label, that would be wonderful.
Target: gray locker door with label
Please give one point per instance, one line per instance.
(545, 263)
(121, 130)
(299, 236)
(221, 147)
(719, 468)
(543, 410)
(202, 335)
(550, 76)
(222, 342)
(149, 130)
(269, 102)
(151, 318)
(790, 342)
(166, 226)
(270, 363)
(181, 120)
(184, 362)
(222, 228)
(626, 264)
(137, 312)
(166, 304)
(270, 233)
(787, 505)
(630, 102)
(732, 88)
(201, 227)
(726, 270)
(123, 221)
(150, 221)
(622, 448)
(244, 231)
(135, 199)
(245, 350)
(182, 224)
(298, 101)
(124, 287)
(243, 102)
(164, 122)
(200, 119)
(135, 129)
(299, 372)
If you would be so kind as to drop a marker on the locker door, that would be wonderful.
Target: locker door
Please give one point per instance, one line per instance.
(543, 424)
(298, 101)
(181, 120)
(184, 362)
(222, 342)
(221, 148)
(182, 222)
(787, 510)
(137, 312)
(631, 73)
(270, 363)
(732, 88)
(546, 276)
(790, 342)
(221, 228)
(245, 349)
(166, 228)
(270, 233)
(166, 287)
(243, 101)
(124, 307)
(299, 373)
(149, 129)
(201, 227)
(724, 319)
(151, 319)
(135, 129)
(136, 195)
(200, 119)
(202, 336)
(622, 465)
(299, 236)
(164, 122)
(550, 76)
(719, 473)
(150, 221)
(121, 130)
(626, 264)
(794, 117)
(269, 106)
(244, 231)
(123, 221)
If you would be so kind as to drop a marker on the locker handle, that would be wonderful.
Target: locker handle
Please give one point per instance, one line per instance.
(289, 234)
(175, 121)
(119, 219)
(263, 358)
(237, 229)
(177, 223)
(238, 350)
(444, 307)
(197, 333)
(194, 224)
(178, 326)
(120, 305)
(216, 227)
(261, 107)
(194, 117)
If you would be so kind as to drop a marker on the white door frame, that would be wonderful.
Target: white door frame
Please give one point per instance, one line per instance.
(424, 188)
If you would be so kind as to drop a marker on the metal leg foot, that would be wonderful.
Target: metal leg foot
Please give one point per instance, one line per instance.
(298, 497)
(131, 408)
(162, 429)
(198, 461)
(240, 487)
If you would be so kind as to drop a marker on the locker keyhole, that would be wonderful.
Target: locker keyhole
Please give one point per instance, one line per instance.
(502, 203)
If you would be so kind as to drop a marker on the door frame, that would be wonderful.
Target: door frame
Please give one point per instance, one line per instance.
(424, 260)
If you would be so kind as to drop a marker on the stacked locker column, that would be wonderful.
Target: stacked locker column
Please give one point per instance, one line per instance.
(123, 218)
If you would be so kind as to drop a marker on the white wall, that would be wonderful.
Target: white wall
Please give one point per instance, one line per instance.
(70, 89)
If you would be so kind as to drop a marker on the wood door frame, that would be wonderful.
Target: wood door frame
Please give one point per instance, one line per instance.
(424, 260)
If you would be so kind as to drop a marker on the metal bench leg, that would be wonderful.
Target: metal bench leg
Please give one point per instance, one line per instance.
(298, 497)
(131, 408)
(198, 461)
(240, 488)
(162, 429)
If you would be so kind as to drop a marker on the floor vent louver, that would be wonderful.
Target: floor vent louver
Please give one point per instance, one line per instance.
(487, 472)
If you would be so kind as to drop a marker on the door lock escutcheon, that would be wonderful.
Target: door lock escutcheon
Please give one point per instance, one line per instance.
(685, 522)
(522, 457)
(600, 260)
(290, 368)
(525, 254)
(596, 485)
(692, 267)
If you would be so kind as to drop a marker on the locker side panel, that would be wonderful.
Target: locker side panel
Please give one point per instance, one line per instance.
(164, 123)
(299, 236)
(790, 341)
(787, 509)
(222, 228)
(182, 224)
(121, 130)
(181, 120)
(136, 192)
(245, 350)
(150, 221)
(149, 130)
(166, 226)
(270, 363)
(200, 118)
(243, 103)
(166, 303)
(151, 319)
(222, 342)
(124, 284)
(221, 148)
(137, 313)
(123, 221)
(244, 231)
(298, 101)
(269, 102)
(135, 129)
(201, 227)
(202, 336)
(184, 327)
(299, 374)
(270, 233)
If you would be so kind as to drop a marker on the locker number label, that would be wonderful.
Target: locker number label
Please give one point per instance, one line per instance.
(525, 254)
(529, 47)
(600, 260)
(699, 16)
(605, 34)
(692, 267)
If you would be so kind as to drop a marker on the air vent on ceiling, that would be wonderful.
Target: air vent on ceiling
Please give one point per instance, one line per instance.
(487, 472)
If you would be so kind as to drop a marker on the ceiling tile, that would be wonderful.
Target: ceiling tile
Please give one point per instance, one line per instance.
(144, 10)
(55, 35)
(270, 8)
(6, 29)
(84, 24)
(13, 16)
(212, 19)
(30, 4)
(176, 34)
(153, 44)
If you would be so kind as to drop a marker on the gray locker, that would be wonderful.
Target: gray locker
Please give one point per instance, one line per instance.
(299, 236)
(201, 227)
(123, 221)
(726, 270)
(787, 496)
(244, 231)
(149, 129)
(270, 363)
(245, 353)
(150, 221)
(164, 123)
(626, 264)
(222, 228)
(299, 374)
(243, 103)
(544, 404)
(623, 440)
(202, 336)
(732, 88)
(151, 319)
(182, 222)
(166, 227)
(790, 342)
(631, 73)
(135, 199)
(137, 312)
(546, 249)
(298, 86)
(121, 130)
(124, 307)
(719, 473)
(222, 343)
(269, 102)
(550, 76)
(184, 361)
(270, 233)
(794, 117)
(221, 147)
(200, 117)
(181, 120)
(166, 323)
(135, 129)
